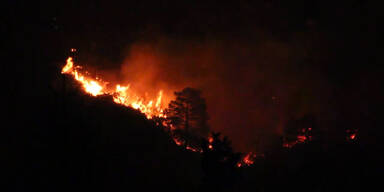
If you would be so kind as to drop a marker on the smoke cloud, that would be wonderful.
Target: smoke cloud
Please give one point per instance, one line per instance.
(251, 89)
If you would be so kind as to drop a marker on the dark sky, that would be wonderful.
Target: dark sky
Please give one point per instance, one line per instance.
(259, 63)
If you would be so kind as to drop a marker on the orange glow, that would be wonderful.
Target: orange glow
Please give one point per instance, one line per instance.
(352, 134)
(125, 95)
(178, 141)
(210, 139)
(247, 160)
(301, 138)
(68, 67)
(121, 94)
(92, 87)
(193, 149)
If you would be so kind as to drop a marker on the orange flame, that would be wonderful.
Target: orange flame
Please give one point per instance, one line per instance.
(121, 94)
(68, 67)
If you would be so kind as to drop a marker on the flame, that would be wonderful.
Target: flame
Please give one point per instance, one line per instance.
(121, 94)
(303, 137)
(178, 141)
(247, 160)
(68, 66)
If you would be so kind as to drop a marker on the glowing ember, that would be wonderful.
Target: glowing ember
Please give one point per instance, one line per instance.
(302, 137)
(210, 139)
(352, 134)
(121, 94)
(178, 142)
(247, 160)
(193, 149)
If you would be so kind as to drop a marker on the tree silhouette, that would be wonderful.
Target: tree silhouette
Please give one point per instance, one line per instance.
(187, 114)
(219, 164)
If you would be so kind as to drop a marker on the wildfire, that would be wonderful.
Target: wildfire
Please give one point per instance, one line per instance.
(121, 94)
(124, 95)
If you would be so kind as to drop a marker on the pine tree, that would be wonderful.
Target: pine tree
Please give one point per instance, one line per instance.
(188, 113)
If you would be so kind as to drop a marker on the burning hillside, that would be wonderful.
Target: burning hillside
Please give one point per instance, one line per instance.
(151, 107)
(121, 94)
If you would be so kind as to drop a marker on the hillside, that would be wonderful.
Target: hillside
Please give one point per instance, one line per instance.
(75, 141)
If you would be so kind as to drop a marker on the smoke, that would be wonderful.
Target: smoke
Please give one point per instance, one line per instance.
(251, 89)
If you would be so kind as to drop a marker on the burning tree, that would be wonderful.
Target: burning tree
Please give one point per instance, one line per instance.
(187, 115)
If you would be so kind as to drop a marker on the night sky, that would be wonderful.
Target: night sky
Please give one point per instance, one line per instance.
(258, 64)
